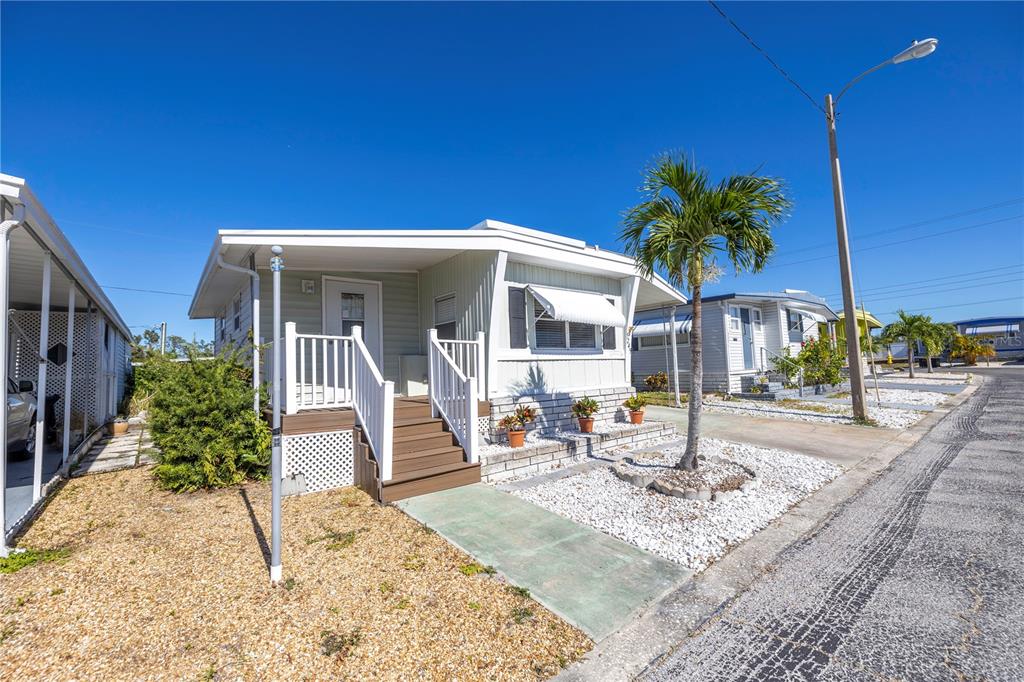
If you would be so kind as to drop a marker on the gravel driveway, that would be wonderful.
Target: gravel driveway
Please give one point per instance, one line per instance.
(919, 577)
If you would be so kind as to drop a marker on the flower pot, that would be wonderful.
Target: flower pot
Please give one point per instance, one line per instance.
(516, 438)
(118, 428)
(586, 424)
(636, 416)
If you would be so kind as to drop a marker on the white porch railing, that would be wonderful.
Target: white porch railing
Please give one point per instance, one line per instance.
(453, 395)
(322, 372)
(468, 356)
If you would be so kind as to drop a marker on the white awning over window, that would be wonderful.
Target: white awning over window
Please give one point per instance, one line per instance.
(814, 316)
(577, 306)
(659, 327)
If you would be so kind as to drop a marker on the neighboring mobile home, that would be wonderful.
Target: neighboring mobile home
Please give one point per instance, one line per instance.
(394, 331)
(742, 333)
(1005, 334)
(66, 353)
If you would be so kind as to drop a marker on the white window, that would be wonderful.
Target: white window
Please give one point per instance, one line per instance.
(236, 311)
(734, 318)
(552, 334)
(682, 339)
(444, 316)
(757, 319)
(353, 312)
(795, 326)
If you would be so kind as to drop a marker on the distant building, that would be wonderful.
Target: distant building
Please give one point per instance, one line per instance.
(1003, 333)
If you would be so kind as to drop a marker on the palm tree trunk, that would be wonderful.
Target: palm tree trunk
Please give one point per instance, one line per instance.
(930, 364)
(910, 357)
(689, 458)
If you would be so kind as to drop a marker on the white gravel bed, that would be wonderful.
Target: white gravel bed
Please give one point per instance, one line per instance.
(896, 395)
(689, 532)
(534, 437)
(887, 417)
(934, 379)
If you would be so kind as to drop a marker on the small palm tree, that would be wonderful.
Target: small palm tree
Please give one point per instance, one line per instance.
(938, 336)
(910, 329)
(681, 225)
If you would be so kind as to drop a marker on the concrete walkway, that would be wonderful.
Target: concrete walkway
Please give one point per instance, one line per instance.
(842, 444)
(590, 579)
(112, 453)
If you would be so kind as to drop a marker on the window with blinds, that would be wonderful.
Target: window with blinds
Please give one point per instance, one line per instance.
(555, 334)
(444, 316)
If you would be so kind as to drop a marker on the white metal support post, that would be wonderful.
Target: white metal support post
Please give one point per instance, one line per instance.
(68, 377)
(276, 266)
(44, 346)
(675, 360)
(481, 367)
(431, 386)
(5, 230)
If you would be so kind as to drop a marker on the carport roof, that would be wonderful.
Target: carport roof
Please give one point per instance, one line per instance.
(39, 231)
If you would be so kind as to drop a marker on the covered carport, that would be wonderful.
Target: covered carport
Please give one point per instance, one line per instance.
(65, 352)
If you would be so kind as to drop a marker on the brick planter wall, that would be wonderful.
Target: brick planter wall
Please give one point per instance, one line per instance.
(569, 449)
(554, 410)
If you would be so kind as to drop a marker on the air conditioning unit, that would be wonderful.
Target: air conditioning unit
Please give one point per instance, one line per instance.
(412, 374)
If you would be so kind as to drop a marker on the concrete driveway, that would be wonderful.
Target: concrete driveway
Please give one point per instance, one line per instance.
(590, 579)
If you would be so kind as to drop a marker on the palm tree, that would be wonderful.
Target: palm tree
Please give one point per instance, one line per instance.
(681, 225)
(909, 329)
(938, 336)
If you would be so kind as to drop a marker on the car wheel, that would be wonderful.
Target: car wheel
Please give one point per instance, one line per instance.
(30, 437)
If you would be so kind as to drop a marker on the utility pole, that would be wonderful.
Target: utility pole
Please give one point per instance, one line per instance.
(276, 266)
(845, 269)
(163, 338)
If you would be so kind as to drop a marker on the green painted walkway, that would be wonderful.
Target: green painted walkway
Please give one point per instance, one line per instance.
(588, 578)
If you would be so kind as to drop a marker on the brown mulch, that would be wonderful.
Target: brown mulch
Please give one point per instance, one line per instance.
(165, 586)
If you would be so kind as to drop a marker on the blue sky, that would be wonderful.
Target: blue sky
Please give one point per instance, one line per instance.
(145, 127)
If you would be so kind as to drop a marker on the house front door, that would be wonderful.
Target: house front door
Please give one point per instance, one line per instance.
(748, 339)
(354, 303)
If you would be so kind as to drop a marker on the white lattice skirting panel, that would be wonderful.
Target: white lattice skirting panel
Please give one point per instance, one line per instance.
(324, 459)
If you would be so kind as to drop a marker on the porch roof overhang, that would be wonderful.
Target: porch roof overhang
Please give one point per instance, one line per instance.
(577, 306)
(37, 234)
(407, 250)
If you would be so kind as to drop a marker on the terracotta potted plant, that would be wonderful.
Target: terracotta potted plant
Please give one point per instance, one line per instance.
(635, 404)
(515, 425)
(119, 426)
(584, 410)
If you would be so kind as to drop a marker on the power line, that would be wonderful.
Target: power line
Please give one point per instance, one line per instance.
(901, 241)
(766, 56)
(147, 291)
(969, 283)
(957, 305)
(932, 279)
(940, 291)
(908, 226)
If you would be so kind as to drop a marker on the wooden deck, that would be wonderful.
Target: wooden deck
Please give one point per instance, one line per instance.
(426, 456)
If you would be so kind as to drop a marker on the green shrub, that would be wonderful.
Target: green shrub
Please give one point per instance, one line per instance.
(822, 362)
(202, 421)
(657, 381)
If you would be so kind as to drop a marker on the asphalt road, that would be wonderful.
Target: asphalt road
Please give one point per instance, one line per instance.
(920, 576)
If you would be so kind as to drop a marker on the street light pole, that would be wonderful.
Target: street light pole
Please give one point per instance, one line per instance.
(845, 270)
(917, 50)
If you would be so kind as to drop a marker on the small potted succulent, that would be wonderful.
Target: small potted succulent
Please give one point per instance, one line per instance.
(584, 410)
(119, 426)
(635, 404)
(515, 425)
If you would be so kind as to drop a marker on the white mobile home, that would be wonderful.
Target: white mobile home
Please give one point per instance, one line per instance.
(65, 349)
(742, 333)
(394, 330)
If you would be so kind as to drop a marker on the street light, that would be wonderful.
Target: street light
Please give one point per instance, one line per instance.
(916, 51)
(276, 266)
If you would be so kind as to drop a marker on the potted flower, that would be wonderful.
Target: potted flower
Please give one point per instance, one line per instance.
(515, 425)
(584, 410)
(119, 426)
(635, 404)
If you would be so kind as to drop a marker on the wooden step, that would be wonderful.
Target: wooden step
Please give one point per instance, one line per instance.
(409, 427)
(427, 459)
(423, 481)
(421, 441)
(405, 410)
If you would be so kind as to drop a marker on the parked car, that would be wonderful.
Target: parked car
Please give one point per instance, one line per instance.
(21, 417)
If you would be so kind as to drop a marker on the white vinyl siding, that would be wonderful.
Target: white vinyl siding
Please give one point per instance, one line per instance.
(647, 360)
(470, 277)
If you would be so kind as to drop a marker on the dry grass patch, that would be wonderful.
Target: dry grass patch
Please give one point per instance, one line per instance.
(155, 585)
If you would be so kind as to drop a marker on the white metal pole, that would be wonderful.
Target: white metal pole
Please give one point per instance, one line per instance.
(256, 342)
(276, 265)
(163, 338)
(44, 346)
(5, 229)
(675, 359)
(68, 362)
(845, 269)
